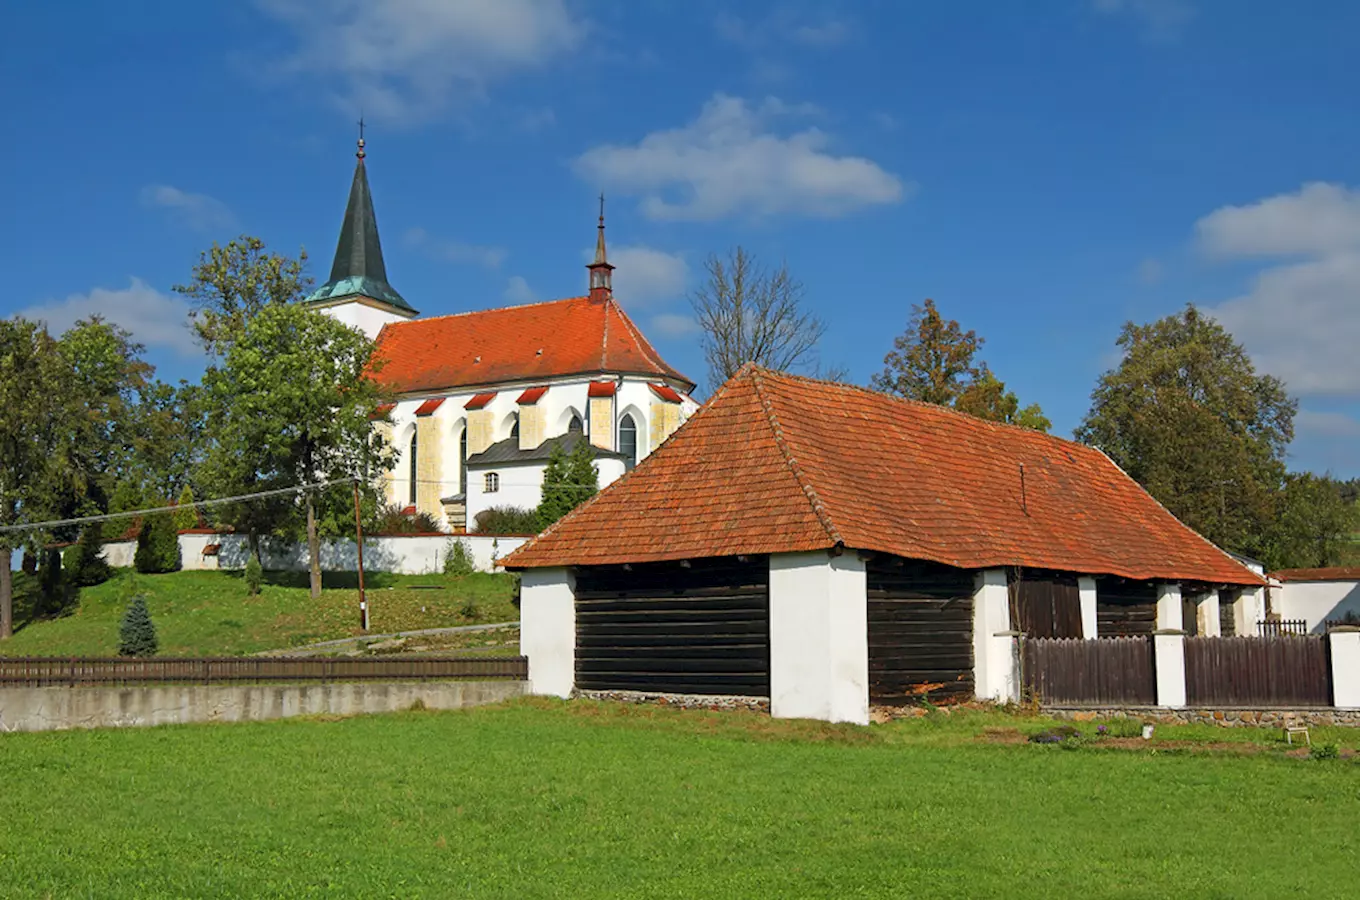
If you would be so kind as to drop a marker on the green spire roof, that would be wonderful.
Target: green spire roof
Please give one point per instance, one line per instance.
(358, 269)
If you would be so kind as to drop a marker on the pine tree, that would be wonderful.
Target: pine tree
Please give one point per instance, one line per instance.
(186, 516)
(157, 545)
(137, 633)
(83, 563)
(254, 575)
(569, 480)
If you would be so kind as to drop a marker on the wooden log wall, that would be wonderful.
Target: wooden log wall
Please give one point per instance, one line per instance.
(920, 632)
(1047, 606)
(665, 628)
(1125, 608)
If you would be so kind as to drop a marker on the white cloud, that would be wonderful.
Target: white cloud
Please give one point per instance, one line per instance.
(197, 211)
(1162, 20)
(1300, 319)
(645, 275)
(831, 33)
(1151, 270)
(406, 60)
(155, 319)
(672, 325)
(517, 291)
(784, 26)
(449, 250)
(1301, 322)
(1319, 218)
(731, 161)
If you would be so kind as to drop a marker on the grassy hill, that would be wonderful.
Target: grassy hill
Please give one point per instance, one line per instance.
(210, 613)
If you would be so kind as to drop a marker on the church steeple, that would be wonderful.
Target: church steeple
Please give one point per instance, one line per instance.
(601, 279)
(358, 270)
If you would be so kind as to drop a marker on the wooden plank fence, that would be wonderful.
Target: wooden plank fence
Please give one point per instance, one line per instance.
(1286, 670)
(1076, 671)
(38, 671)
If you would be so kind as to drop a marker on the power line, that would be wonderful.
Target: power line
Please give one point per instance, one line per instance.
(132, 514)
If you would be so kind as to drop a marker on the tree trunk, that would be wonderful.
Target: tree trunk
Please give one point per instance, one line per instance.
(6, 593)
(313, 547)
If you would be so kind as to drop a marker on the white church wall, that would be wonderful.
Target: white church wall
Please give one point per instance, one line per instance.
(520, 484)
(401, 554)
(365, 318)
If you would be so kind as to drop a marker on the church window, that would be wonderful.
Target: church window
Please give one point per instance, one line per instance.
(514, 427)
(462, 462)
(411, 463)
(493, 482)
(628, 440)
(576, 426)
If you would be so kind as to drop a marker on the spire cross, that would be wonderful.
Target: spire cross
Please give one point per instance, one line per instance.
(361, 154)
(601, 210)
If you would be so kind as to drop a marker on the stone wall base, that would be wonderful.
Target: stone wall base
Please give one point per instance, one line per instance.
(682, 701)
(60, 708)
(1229, 717)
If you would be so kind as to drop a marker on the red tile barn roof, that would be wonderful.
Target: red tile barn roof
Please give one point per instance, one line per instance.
(517, 343)
(776, 463)
(1333, 573)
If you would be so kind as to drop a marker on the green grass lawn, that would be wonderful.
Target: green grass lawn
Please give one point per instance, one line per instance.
(548, 799)
(210, 613)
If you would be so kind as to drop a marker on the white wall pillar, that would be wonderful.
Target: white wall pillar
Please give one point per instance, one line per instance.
(1168, 656)
(819, 637)
(1207, 621)
(1170, 616)
(1345, 666)
(1086, 587)
(994, 670)
(1248, 609)
(547, 631)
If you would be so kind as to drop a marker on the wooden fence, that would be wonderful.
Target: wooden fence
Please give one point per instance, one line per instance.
(117, 671)
(1287, 670)
(1075, 671)
(1276, 627)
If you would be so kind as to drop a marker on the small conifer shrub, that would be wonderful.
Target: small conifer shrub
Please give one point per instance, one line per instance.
(82, 562)
(186, 516)
(458, 558)
(157, 546)
(254, 575)
(137, 633)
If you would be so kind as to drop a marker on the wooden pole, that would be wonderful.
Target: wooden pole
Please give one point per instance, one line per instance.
(359, 542)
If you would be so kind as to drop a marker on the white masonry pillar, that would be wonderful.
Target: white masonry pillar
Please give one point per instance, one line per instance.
(1345, 641)
(1207, 612)
(1086, 588)
(994, 669)
(1248, 609)
(819, 637)
(1168, 647)
(547, 630)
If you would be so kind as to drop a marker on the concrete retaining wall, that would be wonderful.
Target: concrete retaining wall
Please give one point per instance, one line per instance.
(61, 708)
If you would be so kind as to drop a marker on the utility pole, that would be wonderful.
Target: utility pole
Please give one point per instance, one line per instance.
(359, 542)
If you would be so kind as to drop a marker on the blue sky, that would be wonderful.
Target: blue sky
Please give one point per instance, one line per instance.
(1045, 171)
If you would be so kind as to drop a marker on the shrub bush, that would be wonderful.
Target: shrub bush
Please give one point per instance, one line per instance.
(186, 516)
(254, 575)
(56, 594)
(507, 520)
(137, 633)
(458, 558)
(1325, 751)
(157, 546)
(82, 562)
(391, 520)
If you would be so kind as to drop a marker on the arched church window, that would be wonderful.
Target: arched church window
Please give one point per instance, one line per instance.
(462, 462)
(514, 427)
(411, 463)
(628, 440)
(576, 426)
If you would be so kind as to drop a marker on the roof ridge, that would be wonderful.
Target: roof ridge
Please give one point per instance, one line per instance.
(604, 334)
(479, 312)
(809, 491)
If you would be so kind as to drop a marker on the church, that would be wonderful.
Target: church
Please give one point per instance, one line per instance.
(481, 399)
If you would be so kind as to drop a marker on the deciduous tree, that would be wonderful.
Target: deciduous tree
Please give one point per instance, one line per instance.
(289, 405)
(231, 284)
(1313, 524)
(749, 313)
(935, 361)
(1187, 416)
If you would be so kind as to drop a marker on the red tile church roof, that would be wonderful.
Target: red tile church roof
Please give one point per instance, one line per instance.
(518, 343)
(776, 464)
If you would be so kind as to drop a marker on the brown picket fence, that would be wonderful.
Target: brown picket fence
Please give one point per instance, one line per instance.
(1074, 671)
(1284, 670)
(36, 671)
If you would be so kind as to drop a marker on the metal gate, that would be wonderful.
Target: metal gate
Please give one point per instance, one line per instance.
(920, 632)
(667, 628)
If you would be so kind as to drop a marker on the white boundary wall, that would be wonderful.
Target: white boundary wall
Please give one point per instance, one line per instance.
(402, 554)
(1316, 601)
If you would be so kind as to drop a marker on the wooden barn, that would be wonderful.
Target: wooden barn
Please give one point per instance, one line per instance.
(829, 547)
